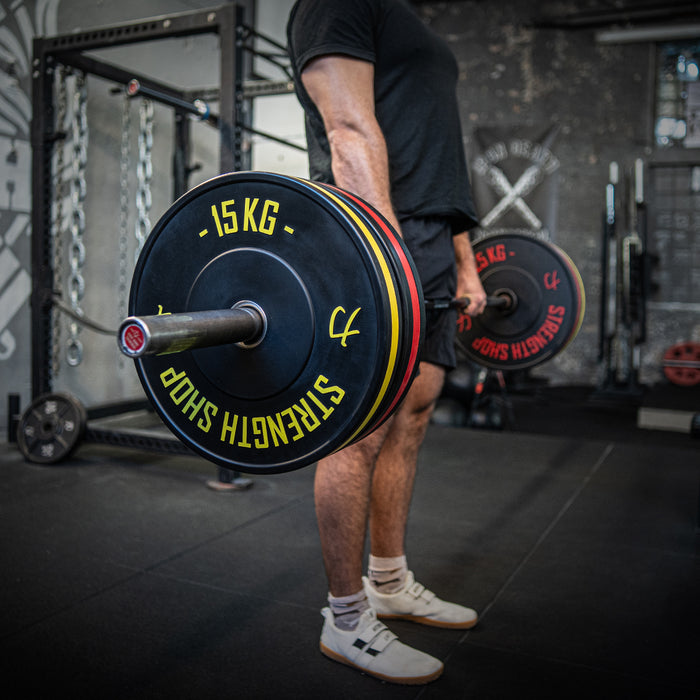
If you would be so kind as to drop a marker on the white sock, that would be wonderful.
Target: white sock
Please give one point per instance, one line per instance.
(348, 609)
(387, 574)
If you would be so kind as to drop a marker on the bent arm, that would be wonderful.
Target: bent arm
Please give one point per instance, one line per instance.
(342, 88)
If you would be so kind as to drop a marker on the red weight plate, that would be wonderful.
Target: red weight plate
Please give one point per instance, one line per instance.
(548, 305)
(681, 364)
(580, 291)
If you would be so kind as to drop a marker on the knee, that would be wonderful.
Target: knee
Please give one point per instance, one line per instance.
(419, 414)
(423, 395)
(414, 415)
(365, 451)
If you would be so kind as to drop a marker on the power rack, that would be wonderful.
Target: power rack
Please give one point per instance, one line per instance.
(238, 86)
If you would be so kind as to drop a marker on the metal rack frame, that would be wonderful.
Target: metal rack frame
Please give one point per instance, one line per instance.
(234, 98)
(68, 50)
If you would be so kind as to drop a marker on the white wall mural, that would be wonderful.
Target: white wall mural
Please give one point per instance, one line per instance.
(19, 23)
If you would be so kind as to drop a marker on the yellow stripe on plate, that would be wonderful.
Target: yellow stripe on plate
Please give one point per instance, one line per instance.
(393, 305)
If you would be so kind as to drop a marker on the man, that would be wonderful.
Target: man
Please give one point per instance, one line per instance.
(378, 90)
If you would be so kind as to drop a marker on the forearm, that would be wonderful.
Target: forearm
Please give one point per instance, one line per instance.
(359, 158)
(360, 165)
(468, 281)
(464, 255)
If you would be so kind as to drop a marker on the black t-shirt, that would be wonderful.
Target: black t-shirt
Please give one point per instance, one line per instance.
(416, 105)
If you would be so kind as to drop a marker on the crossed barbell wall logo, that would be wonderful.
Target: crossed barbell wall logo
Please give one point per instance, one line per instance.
(512, 195)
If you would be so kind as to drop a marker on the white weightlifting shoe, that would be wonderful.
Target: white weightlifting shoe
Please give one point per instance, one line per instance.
(415, 602)
(373, 649)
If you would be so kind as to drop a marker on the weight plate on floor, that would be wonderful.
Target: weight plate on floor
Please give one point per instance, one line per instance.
(547, 310)
(51, 427)
(332, 307)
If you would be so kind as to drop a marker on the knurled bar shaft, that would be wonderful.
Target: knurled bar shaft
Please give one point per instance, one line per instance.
(500, 301)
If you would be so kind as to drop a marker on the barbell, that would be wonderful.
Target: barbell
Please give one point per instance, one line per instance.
(274, 320)
(244, 324)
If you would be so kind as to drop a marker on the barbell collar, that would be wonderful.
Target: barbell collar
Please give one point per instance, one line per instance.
(244, 324)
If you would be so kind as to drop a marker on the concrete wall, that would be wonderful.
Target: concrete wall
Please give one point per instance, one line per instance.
(516, 82)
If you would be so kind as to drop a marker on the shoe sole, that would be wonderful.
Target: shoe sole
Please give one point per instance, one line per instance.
(417, 680)
(430, 622)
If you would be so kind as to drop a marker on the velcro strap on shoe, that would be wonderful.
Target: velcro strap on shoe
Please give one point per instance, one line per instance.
(374, 639)
(418, 590)
(380, 642)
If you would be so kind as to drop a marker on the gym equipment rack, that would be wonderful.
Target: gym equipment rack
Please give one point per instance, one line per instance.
(238, 87)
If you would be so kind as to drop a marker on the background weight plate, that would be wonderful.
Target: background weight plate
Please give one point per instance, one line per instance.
(549, 305)
(681, 364)
(51, 428)
(315, 251)
(580, 291)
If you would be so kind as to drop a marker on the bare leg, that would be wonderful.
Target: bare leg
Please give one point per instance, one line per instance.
(394, 474)
(342, 493)
(349, 488)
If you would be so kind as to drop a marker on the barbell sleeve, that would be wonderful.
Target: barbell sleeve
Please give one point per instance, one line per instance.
(168, 333)
(198, 108)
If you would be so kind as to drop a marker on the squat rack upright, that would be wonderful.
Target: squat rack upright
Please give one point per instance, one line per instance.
(237, 87)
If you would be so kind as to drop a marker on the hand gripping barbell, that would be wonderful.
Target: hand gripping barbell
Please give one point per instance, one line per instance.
(290, 316)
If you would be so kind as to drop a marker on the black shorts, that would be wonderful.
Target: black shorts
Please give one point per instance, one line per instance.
(429, 240)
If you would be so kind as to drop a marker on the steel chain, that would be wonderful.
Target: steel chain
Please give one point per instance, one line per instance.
(124, 201)
(144, 172)
(78, 188)
(58, 192)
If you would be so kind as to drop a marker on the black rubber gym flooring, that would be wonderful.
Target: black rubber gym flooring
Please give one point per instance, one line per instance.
(124, 576)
